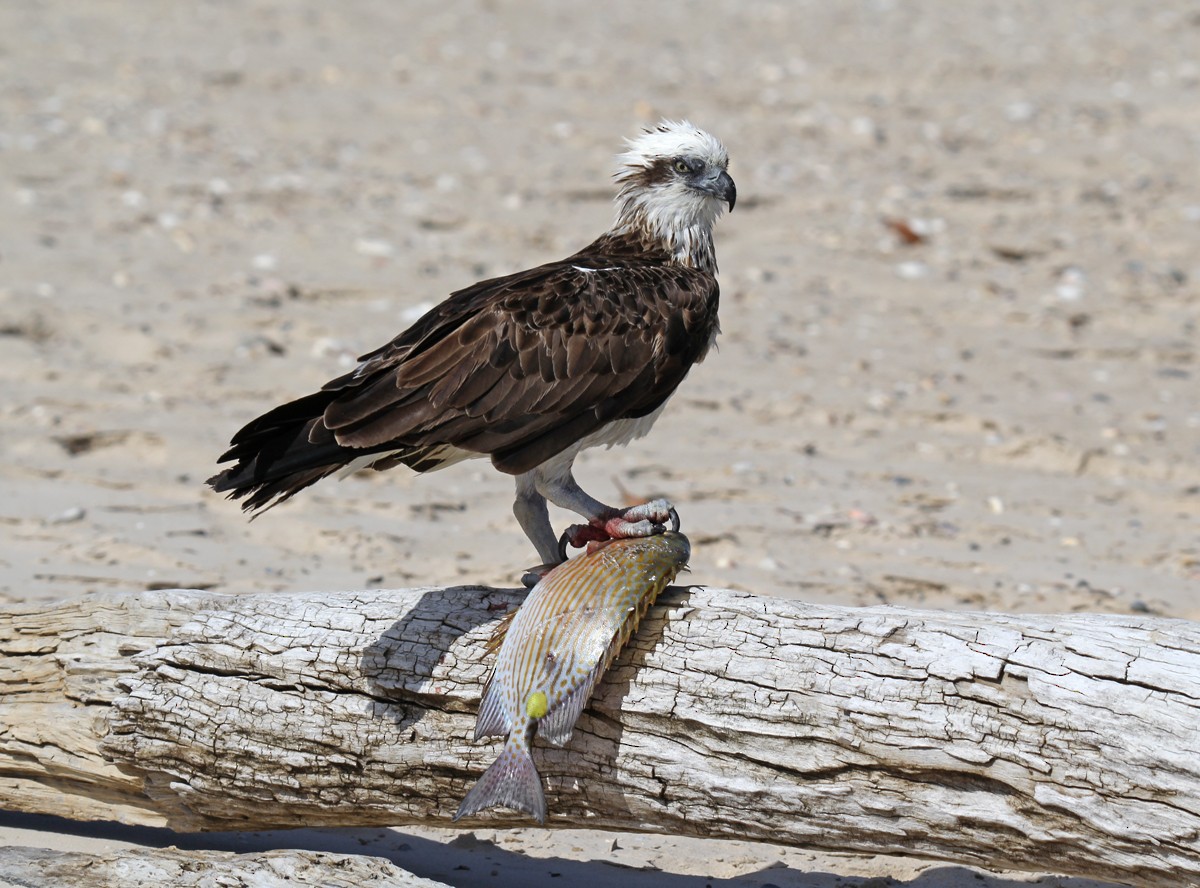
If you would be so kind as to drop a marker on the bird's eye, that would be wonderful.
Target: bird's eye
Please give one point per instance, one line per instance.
(681, 166)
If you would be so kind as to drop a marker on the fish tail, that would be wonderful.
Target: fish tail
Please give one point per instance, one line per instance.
(511, 781)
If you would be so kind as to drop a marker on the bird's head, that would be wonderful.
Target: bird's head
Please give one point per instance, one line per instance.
(673, 184)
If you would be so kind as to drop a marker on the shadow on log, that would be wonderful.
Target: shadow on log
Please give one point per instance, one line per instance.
(1061, 743)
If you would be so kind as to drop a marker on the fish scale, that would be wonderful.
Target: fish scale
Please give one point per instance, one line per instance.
(553, 651)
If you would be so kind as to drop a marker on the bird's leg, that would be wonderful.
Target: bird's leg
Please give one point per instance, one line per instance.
(604, 522)
(534, 518)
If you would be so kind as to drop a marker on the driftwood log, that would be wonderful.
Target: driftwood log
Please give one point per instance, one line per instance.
(160, 867)
(1068, 744)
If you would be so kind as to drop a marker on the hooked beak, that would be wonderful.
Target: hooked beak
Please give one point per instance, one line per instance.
(724, 188)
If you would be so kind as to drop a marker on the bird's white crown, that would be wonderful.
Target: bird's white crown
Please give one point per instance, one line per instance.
(657, 204)
(670, 138)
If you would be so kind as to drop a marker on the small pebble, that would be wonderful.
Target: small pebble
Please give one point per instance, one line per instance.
(68, 516)
(1020, 112)
(379, 249)
(911, 271)
(1071, 285)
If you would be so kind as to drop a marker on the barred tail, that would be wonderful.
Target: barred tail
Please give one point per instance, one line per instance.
(511, 781)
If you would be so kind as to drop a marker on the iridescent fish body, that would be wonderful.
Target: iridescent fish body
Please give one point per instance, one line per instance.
(554, 650)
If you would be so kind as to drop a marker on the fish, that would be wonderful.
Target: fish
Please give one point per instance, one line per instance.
(552, 652)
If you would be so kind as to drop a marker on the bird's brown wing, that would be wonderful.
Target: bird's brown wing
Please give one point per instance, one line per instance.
(522, 367)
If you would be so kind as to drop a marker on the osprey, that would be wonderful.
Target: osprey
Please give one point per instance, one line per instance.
(530, 368)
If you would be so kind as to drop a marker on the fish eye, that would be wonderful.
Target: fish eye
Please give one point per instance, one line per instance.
(681, 166)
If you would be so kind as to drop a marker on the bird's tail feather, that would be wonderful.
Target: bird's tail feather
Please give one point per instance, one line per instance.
(284, 451)
(511, 781)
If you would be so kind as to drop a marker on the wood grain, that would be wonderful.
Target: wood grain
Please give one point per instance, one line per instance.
(1068, 744)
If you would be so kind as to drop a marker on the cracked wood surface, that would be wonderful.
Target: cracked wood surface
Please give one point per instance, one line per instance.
(1061, 743)
(158, 867)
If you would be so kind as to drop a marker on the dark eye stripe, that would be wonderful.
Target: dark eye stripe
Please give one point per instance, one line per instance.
(663, 170)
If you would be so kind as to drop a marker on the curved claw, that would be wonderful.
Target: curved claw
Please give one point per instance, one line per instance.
(534, 575)
(579, 535)
(619, 526)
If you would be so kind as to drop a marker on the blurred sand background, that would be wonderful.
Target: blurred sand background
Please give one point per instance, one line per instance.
(960, 301)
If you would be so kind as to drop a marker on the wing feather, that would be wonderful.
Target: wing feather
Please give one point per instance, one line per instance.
(522, 367)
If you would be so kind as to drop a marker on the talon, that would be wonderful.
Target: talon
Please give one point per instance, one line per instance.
(579, 535)
(647, 519)
(534, 575)
(623, 529)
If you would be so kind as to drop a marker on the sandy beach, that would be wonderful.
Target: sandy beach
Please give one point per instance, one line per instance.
(960, 299)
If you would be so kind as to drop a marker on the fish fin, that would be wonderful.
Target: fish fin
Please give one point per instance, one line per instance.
(511, 781)
(491, 722)
(558, 724)
(499, 633)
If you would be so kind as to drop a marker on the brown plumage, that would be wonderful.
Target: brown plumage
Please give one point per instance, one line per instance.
(528, 368)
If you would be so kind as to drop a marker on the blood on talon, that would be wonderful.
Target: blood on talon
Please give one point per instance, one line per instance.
(580, 535)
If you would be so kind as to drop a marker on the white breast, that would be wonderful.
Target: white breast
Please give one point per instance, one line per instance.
(621, 431)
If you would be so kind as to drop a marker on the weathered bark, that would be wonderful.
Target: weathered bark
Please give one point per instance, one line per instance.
(158, 867)
(1061, 743)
